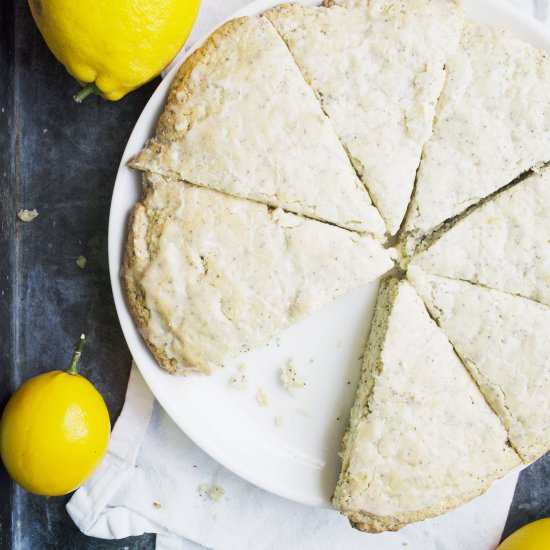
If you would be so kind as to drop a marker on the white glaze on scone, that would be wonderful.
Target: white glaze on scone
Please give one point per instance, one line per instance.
(241, 119)
(422, 440)
(492, 124)
(504, 342)
(377, 68)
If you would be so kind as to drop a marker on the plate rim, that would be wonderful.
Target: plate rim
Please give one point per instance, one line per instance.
(528, 28)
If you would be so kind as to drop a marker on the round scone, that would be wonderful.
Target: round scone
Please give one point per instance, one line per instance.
(255, 213)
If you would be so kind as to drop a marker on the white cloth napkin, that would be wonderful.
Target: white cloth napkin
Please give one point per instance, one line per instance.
(153, 478)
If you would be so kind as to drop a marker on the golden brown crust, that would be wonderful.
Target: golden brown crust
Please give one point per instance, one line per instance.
(181, 89)
(134, 295)
(371, 523)
(142, 239)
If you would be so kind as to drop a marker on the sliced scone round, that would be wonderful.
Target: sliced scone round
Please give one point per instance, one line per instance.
(208, 276)
(504, 342)
(422, 440)
(241, 119)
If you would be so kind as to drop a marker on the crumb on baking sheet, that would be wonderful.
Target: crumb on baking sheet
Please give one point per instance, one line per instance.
(239, 380)
(157, 505)
(213, 492)
(289, 377)
(261, 398)
(27, 215)
(81, 262)
(278, 421)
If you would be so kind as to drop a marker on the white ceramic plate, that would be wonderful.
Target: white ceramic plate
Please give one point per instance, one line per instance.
(290, 446)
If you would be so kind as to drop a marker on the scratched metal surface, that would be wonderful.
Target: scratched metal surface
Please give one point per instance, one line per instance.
(61, 159)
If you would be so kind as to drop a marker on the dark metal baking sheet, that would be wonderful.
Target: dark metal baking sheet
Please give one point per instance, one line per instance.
(61, 159)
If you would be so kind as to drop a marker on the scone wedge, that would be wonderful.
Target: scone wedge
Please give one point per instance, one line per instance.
(241, 119)
(208, 276)
(492, 124)
(422, 440)
(377, 67)
(504, 244)
(504, 342)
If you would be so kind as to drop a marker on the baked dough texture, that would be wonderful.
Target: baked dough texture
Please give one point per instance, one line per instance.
(492, 124)
(503, 341)
(257, 211)
(422, 440)
(377, 68)
(209, 276)
(504, 244)
(241, 119)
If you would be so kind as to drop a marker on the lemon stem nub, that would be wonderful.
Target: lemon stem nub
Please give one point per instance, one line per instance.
(89, 89)
(76, 355)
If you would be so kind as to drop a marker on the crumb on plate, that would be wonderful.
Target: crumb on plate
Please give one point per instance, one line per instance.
(289, 377)
(213, 492)
(261, 398)
(239, 380)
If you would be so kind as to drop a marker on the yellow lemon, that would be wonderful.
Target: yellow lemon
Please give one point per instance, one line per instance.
(54, 431)
(114, 46)
(533, 536)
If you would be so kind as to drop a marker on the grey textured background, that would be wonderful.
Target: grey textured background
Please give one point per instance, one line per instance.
(62, 159)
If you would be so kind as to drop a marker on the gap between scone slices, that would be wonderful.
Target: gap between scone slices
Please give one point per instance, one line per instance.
(208, 276)
(503, 244)
(377, 68)
(422, 440)
(503, 341)
(492, 123)
(241, 119)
